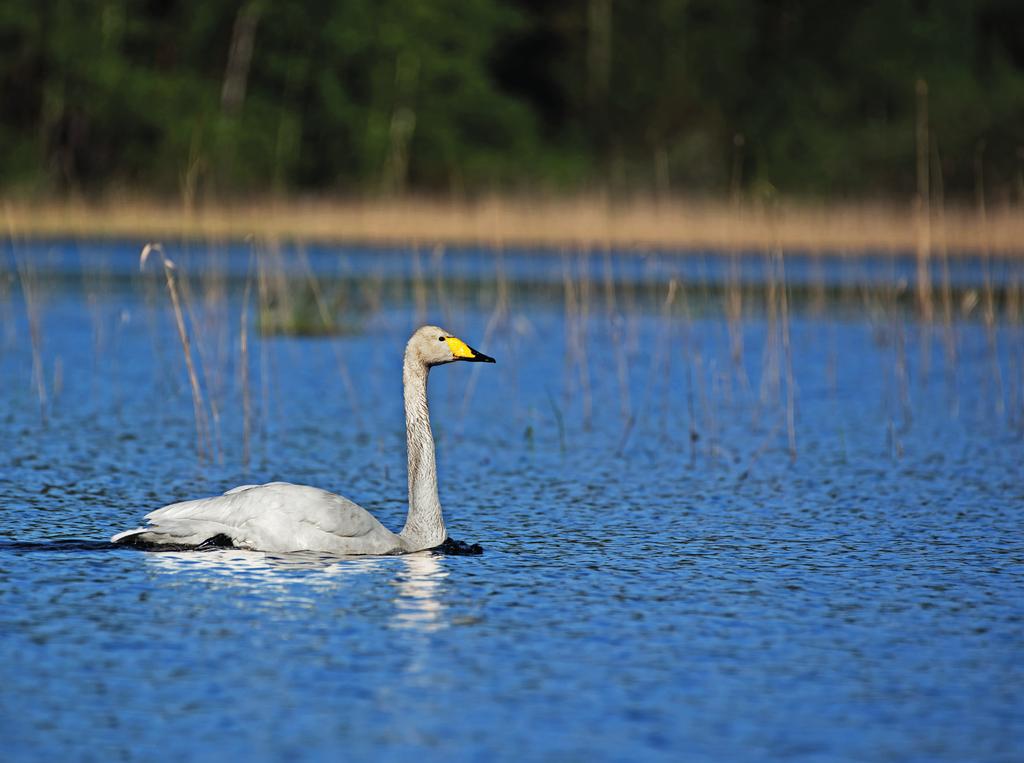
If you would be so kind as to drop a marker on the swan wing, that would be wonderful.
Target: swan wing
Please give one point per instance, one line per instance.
(277, 516)
(243, 488)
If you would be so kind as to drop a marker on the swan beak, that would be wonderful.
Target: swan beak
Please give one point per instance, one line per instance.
(479, 357)
(463, 351)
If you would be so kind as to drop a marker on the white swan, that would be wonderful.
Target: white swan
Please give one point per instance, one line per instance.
(281, 517)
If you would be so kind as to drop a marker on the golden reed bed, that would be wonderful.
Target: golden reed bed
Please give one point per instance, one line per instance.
(556, 223)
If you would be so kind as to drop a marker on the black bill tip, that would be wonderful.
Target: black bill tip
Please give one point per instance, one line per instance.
(479, 357)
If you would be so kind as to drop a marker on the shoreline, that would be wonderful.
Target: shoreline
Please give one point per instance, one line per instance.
(558, 223)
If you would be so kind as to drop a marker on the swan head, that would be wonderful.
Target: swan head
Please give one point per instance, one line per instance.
(433, 346)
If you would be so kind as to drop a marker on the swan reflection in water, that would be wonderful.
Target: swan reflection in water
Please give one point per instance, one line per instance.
(419, 605)
(300, 580)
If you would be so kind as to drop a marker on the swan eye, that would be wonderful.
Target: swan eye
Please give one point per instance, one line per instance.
(440, 339)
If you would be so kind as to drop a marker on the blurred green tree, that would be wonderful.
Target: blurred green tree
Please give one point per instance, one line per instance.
(358, 96)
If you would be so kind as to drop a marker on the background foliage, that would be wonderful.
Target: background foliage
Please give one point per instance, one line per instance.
(460, 96)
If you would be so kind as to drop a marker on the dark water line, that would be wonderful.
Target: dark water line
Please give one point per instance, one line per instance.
(58, 545)
(450, 547)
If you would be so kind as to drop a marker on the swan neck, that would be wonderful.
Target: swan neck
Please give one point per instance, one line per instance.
(424, 527)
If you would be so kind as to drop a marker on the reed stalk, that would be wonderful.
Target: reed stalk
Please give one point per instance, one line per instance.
(787, 350)
(923, 206)
(575, 316)
(988, 297)
(328, 321)
(243, 366)
(30, 294)
(618, 341)
(6, 308)
(263, 301)
(419, 289)
(770, 365)
(440, 286)
(499, 315)
(207, 364)
(659, 364)
(949, 341)
(583, 325)
(198, 406)
(734, 321)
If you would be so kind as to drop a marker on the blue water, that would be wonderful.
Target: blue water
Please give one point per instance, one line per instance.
(792, 536)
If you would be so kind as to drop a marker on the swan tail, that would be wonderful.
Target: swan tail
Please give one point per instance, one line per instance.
(182, 533)
(127, 535)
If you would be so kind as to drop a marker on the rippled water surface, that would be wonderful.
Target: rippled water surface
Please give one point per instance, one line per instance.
(723, 519)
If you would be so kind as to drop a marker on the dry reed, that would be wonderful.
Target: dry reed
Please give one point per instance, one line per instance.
(787, 351)
(577, 222)
(30, 292)
(198, 407)
(214, 296)
(499, 317)
(710, 372)
(243, 365)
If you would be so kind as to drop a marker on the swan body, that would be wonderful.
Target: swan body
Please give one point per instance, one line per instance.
(281, 517)
(276, 517)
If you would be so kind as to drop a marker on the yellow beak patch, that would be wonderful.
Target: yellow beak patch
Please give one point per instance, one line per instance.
(459, 348)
